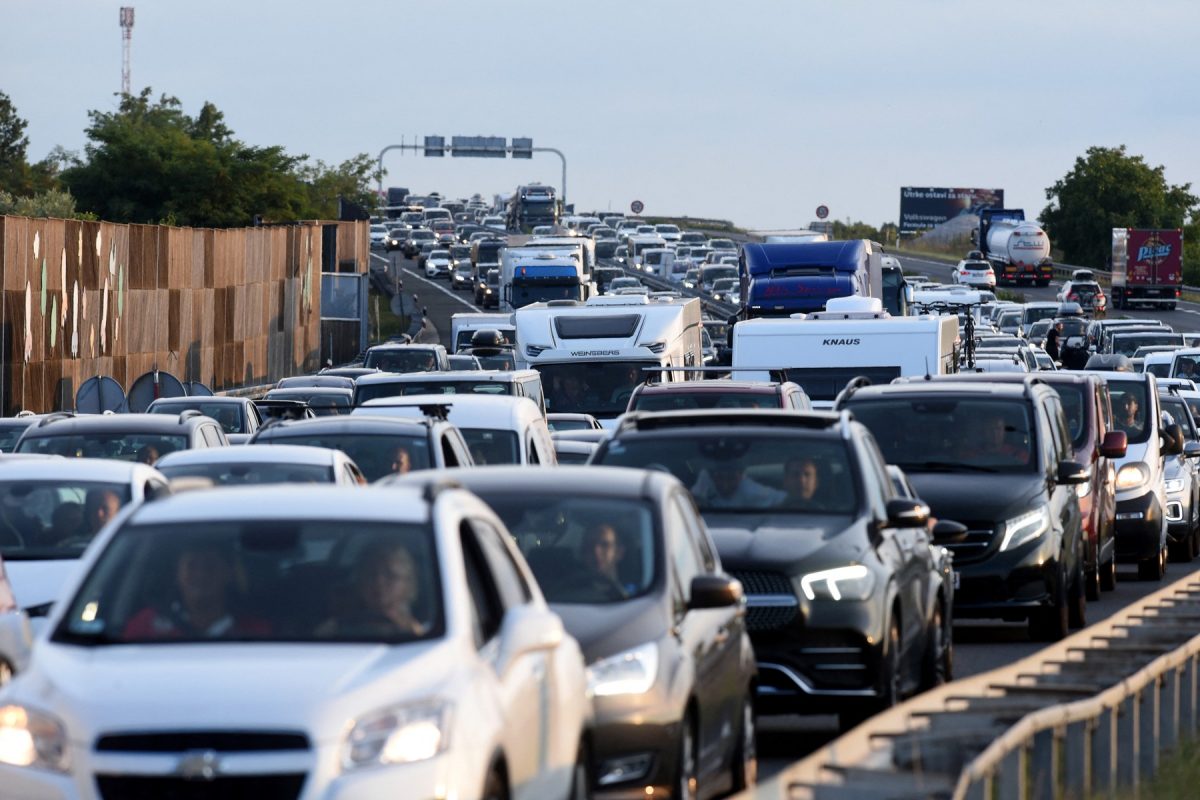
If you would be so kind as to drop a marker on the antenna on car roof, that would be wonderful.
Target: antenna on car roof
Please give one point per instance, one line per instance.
(928, 377)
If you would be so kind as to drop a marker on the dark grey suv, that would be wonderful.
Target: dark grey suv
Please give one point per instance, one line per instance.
(124, 437)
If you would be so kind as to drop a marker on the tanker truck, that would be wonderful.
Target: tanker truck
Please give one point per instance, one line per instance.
(1018, 250)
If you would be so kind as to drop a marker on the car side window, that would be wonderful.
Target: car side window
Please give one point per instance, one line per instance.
(531, 446)
(1045, 437)
(693, 526)
(685, 557)
(1058, 426)
(510, 584)
(875, 480)
(449, 456)
(487, 611)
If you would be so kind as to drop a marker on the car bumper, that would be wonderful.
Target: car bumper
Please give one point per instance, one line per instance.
(635, 749)
(1009, 584)
(1138, 528)
(1179, 517)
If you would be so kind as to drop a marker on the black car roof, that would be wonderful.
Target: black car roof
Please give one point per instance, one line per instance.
(727, 419)
(66, 424)
(570, 481)
(324, 426)
(1006, 389)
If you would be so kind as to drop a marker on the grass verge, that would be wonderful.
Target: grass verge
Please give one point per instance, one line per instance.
(1177, 779)
(382, 324)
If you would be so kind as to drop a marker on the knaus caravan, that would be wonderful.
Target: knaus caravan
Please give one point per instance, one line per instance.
(853, 337)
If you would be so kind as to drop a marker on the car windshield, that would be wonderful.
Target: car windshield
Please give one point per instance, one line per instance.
(240, 473)
(373, 391)
(685, 400)
(1032, 315)
(376, 454)
(260, 581)
(414, 360)
(489, 446)
(585, 550)
(323, 404)
(145, 447)
(569, 424)
(666, 228)
(1072, 396)
(9, 434)
(51, 519)
(730, 473)
(724, 284)
(711, 274)
(1128, 344)
(931, 434)
(599, 388)
(1129, 405)
(1180, 415)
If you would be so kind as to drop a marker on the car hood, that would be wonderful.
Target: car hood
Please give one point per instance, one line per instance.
(606, 629)
(976, 498)
(314, 688)
(783, 541)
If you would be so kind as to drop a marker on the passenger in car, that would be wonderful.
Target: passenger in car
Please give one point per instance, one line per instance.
(385, 587)
(725, 485)
(202, 606)
(801, 480)
(1127, 417)
(601, 556)
(101, 505)
(992, 444)
(402, 461)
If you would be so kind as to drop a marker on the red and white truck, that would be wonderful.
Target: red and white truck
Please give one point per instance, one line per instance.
(1147, 267)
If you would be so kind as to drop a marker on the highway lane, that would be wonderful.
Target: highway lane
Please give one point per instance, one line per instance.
(434, 295)
(1185, 318)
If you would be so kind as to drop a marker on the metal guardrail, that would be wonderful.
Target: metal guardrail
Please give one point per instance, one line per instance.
(1090, 714)
(722, 311)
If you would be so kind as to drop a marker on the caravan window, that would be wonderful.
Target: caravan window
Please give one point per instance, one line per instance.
(616, 326)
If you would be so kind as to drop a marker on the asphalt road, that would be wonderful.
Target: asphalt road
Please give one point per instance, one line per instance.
(436, 297)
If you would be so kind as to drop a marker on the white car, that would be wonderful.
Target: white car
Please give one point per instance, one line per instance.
(975, 273)
(378, 234)
(315, 642)
(437, 264)
(669, 232)
(260, 464)
(16, 637)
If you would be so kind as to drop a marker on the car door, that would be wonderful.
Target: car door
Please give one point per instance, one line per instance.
(524, 692)
(728, 629)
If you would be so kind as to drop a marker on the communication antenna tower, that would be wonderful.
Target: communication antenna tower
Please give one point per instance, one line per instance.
(126, 45)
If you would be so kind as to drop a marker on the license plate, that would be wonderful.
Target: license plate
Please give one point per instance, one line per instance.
(957, 579)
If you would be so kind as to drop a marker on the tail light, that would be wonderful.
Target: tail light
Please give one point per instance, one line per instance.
(1073, 297)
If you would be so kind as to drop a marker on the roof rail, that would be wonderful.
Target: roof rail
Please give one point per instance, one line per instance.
(25, 413)
(437, 486)
(852, 386)
(55, 416)
(665, 420)
(436, 410)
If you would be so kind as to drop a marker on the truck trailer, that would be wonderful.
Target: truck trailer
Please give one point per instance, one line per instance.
(778, 280)
(1147, 267)
(1018, 250)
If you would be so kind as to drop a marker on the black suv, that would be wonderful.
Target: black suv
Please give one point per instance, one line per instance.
(849, 608)
(998, 459)
(123, 437)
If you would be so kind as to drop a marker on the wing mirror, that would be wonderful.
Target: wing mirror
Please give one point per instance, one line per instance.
(714, 591)
(1073, 473)
(1191, 449)
(947, 531)
(905, 513)
(526, 630)
(1115, 444)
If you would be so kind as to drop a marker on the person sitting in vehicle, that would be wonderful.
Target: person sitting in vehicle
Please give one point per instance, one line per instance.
(991, 444)
(384, 588)
(1127, 416)
(100, 506)
(227, 418)
(66, 524)
(202, 606)
(725, 485)
(148, 455)
(401, 461)
(802, 484)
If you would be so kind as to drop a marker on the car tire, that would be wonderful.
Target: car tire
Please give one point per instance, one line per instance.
(1170, 306)
(1092, 583)
(1153, 569)
(889, 683)
(1051, 623)
(1108, 575)
(938, 666)
(744, 769)
(495, 787)
(1078, 601)
(687, 778)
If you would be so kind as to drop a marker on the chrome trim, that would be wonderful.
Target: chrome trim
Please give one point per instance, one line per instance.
(805, 686)
(772, 601)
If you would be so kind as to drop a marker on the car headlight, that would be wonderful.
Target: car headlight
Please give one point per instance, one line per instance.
(841, 583)
(630, 672)
(30, 738)
(1025, 528)
(401, 734)
(1133, 476)
(1173, 486)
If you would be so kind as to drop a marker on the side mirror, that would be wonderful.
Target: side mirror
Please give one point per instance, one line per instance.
(1173, 440)
(947, 531)
(714, 591)
(526, 630)
(1073, 473)
(905, 513)
(1115, 444)
(1191, 449)
(908, 293)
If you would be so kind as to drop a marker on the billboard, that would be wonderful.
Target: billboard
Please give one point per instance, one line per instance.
(925, 207)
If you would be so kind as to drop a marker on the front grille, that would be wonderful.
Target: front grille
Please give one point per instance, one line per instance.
(770, 602)
(219, 741)
(242, 787)
(977, 543)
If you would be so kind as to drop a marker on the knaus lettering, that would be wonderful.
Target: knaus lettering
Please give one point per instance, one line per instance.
(840, 342)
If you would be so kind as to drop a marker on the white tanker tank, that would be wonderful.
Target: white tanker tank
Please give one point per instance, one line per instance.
(1019, 250)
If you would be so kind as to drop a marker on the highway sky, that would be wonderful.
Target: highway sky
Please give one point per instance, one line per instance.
(753, 111)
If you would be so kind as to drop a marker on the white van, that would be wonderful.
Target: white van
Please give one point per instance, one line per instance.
(499, 429)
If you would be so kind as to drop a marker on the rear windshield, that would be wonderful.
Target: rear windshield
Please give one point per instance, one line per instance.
(229, 415)
(415, 360)
(376, 454)
(685, 401)
(241, 474)
(144, 447)
(409, 388)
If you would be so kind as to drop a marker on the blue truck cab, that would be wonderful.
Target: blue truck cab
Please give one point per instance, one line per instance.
(786, 278)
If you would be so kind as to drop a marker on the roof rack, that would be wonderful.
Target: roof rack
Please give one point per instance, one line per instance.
(852, 386)
(189, 413)
(770, 418)
(55, 416)
(437, 486)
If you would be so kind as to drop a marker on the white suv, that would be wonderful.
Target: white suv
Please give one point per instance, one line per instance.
(314, 642)
(975, 273)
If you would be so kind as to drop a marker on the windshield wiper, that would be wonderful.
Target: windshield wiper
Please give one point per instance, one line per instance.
(945, 466)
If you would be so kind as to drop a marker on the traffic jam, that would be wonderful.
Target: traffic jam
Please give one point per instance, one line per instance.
(660, 486)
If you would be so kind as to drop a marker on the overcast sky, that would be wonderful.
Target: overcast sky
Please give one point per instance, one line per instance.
(751, 111)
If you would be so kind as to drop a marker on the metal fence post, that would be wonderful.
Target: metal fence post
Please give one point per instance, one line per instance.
(1103, 762)
(1187, 699)
(1168, 709)
(1126, 749)
(1011, 779)
(1044, 776)
(980, 789)
(1076, 739)
(1148, 712)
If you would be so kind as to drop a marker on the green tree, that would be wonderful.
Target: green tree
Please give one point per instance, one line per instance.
(1106, 189)
(885, 234)
(351, 179)
(17, 176)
